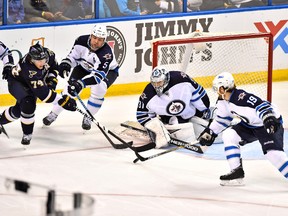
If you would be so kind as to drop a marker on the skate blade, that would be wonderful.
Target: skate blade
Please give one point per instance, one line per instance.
(2, 129)
(234, 182)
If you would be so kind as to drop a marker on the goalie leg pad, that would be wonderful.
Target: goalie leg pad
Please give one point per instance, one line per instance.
(184, 131)
(157, 132)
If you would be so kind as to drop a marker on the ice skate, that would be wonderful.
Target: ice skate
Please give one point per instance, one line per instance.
(86, 123)
(234, 178)
(2, 130)
(49, 119)
(26, 139)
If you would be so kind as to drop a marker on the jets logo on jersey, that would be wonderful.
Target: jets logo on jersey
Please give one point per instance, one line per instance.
(175, 107)
(241, 96)
(107, 56)
(32, 73)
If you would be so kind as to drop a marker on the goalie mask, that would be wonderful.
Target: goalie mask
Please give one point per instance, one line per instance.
(159, 79)
(224, 80)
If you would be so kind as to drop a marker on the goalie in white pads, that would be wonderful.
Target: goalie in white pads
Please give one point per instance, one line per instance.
(260, 120)
(168, 103)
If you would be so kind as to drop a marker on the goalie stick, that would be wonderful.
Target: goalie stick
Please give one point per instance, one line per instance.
(103, 129)
(2, 129)
(173, 141)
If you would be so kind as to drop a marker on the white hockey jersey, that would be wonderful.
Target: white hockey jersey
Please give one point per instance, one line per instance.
(102, 59)
(246, 106)
(6, 55)
(182, 97)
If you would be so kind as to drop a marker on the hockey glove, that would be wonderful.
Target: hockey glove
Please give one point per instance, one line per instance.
(7, 70)
(271, 123)
(207, 137)
(64, 69)
(51, 82)
(68, 103)
(75, 87)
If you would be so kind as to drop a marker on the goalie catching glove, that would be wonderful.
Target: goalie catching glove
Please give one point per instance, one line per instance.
(68, 103)
(157, 133)
(207, 137)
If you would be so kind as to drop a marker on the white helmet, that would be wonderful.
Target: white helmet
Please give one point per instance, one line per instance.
(159, 79)
(99, 30)
(224, 79)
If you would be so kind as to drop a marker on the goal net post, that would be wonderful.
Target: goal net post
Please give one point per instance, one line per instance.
(248, 56)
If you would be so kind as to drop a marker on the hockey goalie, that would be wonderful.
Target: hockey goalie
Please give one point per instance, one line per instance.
(172, 105)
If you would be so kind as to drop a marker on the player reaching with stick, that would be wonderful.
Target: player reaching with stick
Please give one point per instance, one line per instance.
(94, 65)
(260, 120)
(35, 76)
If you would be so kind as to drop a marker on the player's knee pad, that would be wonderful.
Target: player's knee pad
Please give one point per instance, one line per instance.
(99, 90)
(230, 137)
(157, 132)
(28, 105)
(184, 131)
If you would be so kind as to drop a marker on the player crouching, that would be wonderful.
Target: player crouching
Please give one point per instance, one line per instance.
(168, 105)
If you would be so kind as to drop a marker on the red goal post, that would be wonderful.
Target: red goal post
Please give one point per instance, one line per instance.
(248, 56)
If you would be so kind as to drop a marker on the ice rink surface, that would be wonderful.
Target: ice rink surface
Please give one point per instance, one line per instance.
(180, 183)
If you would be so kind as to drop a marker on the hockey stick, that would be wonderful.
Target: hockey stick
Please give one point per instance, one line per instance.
(173, 141)
(139, 157)
(103, 129)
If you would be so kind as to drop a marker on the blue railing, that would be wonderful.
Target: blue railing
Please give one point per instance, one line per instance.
(97, 15)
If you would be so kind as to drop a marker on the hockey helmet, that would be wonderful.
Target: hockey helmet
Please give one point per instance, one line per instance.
(224, 80)
(159, 79)
(37, 52)
(100, 31)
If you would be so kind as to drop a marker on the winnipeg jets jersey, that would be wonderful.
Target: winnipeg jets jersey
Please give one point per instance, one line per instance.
(181, 97)
(103, 59)
(5, 55)
(34, 79)
(246, 106)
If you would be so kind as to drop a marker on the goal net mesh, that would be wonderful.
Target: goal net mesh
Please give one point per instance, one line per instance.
(204, 55)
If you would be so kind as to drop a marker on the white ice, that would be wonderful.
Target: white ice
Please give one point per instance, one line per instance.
(180, 183)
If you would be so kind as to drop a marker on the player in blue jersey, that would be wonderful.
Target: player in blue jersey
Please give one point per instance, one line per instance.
(260, 120)
(94, 65)
(35, 76)
(169, 102)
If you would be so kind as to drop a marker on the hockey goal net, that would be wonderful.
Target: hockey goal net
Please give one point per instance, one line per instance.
(248, 56)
